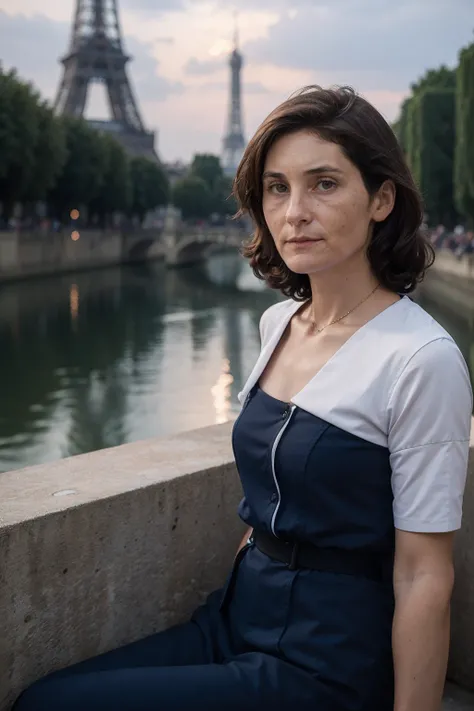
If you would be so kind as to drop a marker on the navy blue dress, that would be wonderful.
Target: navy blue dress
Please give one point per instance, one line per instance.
(307, 480)
(368, 445)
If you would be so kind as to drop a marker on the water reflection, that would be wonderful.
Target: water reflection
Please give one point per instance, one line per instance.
(74, 301)
(221, 393)
(97, 359)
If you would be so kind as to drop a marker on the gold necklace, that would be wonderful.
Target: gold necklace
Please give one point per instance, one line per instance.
(331, 323)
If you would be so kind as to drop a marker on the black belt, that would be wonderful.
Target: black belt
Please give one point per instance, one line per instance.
(377, 566)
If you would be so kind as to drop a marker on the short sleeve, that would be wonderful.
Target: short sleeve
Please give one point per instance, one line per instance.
(429, 424)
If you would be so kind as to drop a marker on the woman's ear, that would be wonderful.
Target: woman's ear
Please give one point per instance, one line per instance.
(383, 201)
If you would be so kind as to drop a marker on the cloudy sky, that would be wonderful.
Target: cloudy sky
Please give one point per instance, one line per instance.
(179, 49)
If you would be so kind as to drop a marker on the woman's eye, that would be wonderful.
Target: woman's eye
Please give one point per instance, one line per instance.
(278, 188)
(326, 184)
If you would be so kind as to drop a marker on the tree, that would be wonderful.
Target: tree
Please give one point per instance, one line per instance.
(193, 197)
(413, 137)
(207, 167)
(50, 155)
(223, 201)
(425, 130)
(464, 153)
(430, 151)
(83, 174)
(19, 134)
(116, 192)
(401, 125)
(441, 78)
(150, 187)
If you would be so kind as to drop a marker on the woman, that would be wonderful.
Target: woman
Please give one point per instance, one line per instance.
(352, 446)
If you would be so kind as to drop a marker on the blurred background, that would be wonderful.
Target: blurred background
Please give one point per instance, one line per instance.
(126, 311)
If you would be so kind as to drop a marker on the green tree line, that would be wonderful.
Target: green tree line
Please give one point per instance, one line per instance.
(436, 131)
(65, 164)
(205, 190)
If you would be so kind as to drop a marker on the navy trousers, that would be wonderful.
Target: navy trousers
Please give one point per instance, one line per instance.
(179, 669)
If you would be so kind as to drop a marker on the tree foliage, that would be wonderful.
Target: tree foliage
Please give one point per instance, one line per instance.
(441, 78)
(401, 125)
(193, 197)
(83, 174)
(67, 163)
(19, 136)
(206, 191)
(430, 151)
(207, 167)
(115, 196)
(50, 155)
(464, 154)
(426, 132)
(150, 187)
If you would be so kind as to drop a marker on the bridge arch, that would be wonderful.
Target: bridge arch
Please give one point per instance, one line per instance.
(195, 248)
(138, 252)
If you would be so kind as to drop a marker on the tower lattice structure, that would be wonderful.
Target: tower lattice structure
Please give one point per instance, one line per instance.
(96, 54)
(234, 141)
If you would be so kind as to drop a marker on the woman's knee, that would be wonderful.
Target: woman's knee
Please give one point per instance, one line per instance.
(37, 697)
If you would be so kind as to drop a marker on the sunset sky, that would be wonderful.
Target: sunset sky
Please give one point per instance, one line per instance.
(180, 73)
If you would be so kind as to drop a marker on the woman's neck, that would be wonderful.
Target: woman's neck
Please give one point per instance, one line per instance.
(334, 294)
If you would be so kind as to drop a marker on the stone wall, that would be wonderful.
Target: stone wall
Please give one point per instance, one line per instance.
(104, 548)
(462, 633)
(448, 263)
(26, 254)
(450, 283)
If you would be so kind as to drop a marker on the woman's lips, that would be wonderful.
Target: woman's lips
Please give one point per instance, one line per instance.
(303, 240)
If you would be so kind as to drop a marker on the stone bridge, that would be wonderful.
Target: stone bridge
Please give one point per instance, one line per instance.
(190, 245)
(27, 254)
(180, 244)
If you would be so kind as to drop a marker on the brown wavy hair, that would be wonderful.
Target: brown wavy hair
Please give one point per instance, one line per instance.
(399, 252)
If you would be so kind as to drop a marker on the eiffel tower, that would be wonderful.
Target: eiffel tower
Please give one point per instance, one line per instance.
(234, 141)
(96, 54)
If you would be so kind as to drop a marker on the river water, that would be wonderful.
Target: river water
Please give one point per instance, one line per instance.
(100, 358)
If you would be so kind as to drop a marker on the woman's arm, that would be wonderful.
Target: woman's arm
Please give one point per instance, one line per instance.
(423, 582)
(244, 540)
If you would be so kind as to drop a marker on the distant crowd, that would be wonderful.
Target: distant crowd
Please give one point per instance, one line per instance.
(459, 241)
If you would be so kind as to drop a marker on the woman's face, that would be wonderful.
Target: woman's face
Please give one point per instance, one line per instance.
(316, 206)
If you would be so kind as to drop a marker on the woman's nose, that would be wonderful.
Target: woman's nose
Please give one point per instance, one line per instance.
(298, 210)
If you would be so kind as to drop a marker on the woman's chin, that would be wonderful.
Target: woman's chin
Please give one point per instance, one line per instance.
(304, 265)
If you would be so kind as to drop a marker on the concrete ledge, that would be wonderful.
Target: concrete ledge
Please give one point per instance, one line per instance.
(450, 284)
(104, 548)
(461, 665)
(457, 699)
(448, 263)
